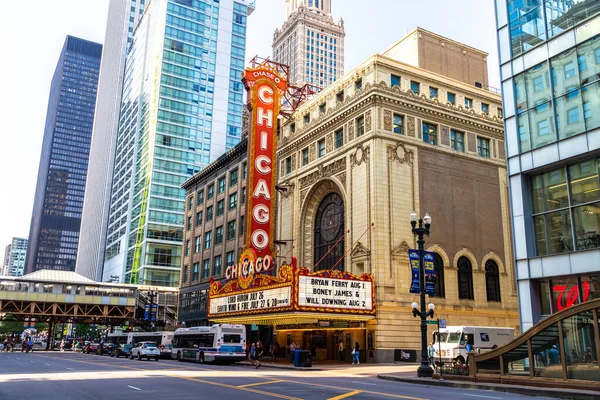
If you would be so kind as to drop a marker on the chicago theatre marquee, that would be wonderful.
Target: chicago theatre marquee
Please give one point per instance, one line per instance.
(309, 308)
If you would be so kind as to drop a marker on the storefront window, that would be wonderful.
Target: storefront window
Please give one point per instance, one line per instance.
(584, 182)
(587, 226)
(546, 353)
(545, 298)
(550, 191)
(565, 293)
(580, 347)
(590, 286)
(560, 239)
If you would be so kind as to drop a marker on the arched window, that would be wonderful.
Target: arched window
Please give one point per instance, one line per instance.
(440, 288)
(329, 227)
(492, 281)
(465, 279)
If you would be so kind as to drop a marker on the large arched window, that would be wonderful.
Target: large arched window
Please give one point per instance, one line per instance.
(465, 279)
(440, 289)
(492, 281)
(329, 227)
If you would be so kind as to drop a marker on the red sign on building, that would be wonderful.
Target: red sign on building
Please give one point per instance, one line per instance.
(265, 90)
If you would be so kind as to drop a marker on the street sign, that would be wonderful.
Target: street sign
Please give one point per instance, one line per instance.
(442, 324)
(432, 322)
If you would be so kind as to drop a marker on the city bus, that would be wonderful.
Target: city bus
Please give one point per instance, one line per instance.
(220, 342)
(160, 338)
(117, 338)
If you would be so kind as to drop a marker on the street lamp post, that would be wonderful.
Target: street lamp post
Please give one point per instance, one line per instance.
(424, 369)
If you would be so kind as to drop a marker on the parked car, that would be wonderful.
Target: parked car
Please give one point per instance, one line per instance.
(90, 347)
(105, 348)
(121, 350)
(146, 350)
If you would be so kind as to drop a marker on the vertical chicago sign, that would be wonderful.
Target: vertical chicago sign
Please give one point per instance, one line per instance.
(265, 90)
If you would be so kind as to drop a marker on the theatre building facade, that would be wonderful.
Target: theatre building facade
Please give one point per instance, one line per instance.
(402, 132)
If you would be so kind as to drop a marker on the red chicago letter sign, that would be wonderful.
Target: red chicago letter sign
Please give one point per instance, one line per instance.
(265, 89)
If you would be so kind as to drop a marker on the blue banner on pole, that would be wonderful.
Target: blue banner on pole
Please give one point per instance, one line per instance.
(413, 256)
(146, 312)
(430, 276)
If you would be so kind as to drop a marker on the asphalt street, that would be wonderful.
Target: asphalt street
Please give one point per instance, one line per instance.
(65, 376)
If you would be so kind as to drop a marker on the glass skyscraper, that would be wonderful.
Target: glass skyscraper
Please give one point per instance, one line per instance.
(56, 216)
(550, 71)
(181, 108)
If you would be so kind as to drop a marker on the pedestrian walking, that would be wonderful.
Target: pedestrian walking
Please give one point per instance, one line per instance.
(355, 353)
(260, 350)
(431, 353)
(253, 356)
(30, 345)
(313, 352)
(62, 346)
(292, 350)
(341, 350)
(275, 351)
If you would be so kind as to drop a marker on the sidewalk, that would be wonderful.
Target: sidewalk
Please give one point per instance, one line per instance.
(497, 387)
(319, 366)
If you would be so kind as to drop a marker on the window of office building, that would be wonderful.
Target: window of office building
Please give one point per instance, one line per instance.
(233, 201)
(483, 147)
(195, 272)
(468, 103)
(210, 192)
(200, 197)
(197, 244)
(217, 265)
(433, 92)
(199, 218)
(185, 274)
(233, 177)
(457, 140)
(209, 213)
(220, 207)
(415, 87)
(288, 165)
(221, 185)
(451, 97)
(230, 258)
(231, 230)
(485, 108)
(339, 138)
(398, 124)
(205, 269)
(395, 80)
(440, 289)
(429, 133)
(207, 240)
(321, 148)
(526, 25)
(360, 126)
(305, 156)
(187, 247)
(219, 235)
(566, 208)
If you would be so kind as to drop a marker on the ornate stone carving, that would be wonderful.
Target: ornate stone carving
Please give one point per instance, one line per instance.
(294, 162)
(368, 121)
(350, 131)
(387, 120)
(361, 154)
(323, 171)
(329, 143)
(342, 178)
(289, 192)
(400, 153)
(311, 152)
(410, 123)
(303, 195)
(360, 250)
(401, 250)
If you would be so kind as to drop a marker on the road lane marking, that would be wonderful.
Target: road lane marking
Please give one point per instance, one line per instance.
(133, 387)
(343, 396)
(479, 395)
(364, 383)
(259, 383)
(71, 369)
(396, 396)
(280, 396)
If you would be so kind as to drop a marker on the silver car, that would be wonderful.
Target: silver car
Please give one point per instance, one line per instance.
(146, 350)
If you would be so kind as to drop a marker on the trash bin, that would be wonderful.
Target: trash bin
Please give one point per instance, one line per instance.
(305, 359)
(297, 354)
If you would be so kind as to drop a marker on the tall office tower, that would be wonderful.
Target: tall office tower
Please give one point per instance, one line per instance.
(181, 108)
(6, 259)
(14, 258)
(56, 217)
(311, 43)
(550, 71)
(123, 16)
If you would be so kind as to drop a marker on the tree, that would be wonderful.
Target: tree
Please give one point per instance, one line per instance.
(82, 330)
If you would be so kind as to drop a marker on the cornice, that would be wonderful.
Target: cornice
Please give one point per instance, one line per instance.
(381, 93)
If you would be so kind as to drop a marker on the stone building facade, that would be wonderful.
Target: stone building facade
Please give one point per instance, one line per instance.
(388, 138)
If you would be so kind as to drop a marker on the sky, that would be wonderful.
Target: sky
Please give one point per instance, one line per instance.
(34, 32)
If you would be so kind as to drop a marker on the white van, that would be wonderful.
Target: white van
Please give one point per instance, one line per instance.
(452, 341)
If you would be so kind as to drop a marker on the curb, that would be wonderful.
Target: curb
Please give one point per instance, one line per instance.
(526, 390)
(284, 367)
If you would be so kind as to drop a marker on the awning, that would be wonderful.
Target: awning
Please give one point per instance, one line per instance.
(291, 318)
